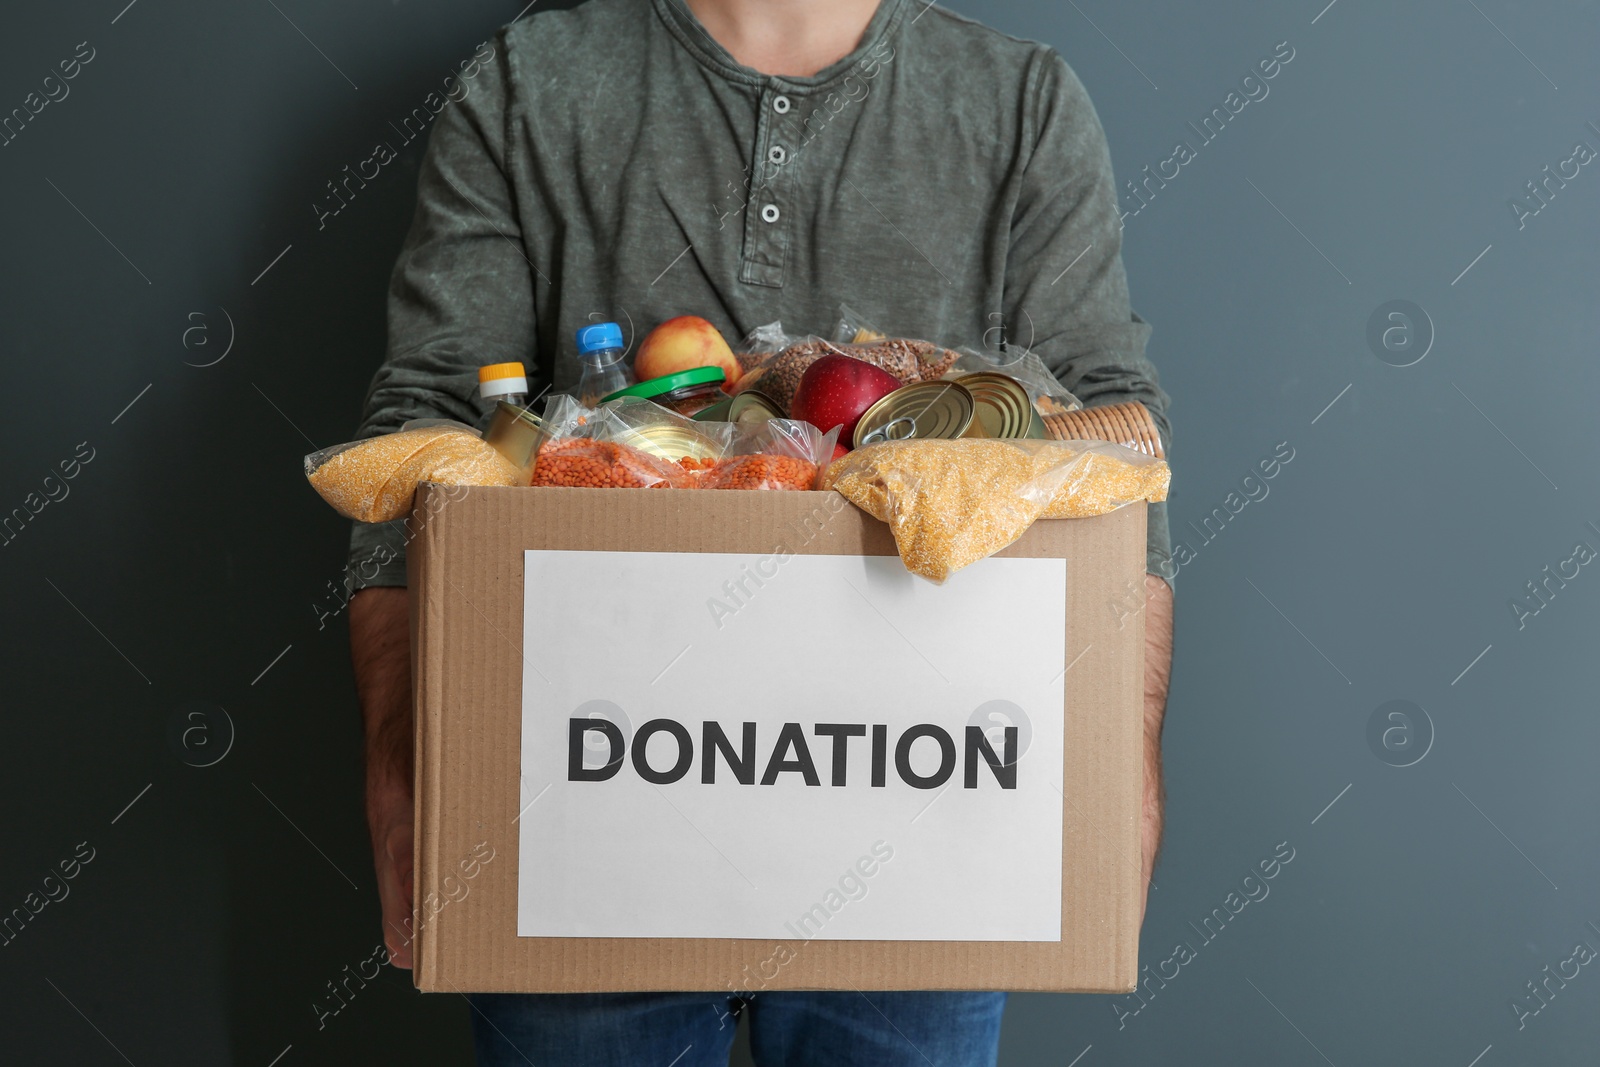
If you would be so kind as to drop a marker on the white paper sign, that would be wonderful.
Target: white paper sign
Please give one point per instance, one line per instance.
(829, 699)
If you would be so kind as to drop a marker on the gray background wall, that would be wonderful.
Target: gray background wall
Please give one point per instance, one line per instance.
(177, 586)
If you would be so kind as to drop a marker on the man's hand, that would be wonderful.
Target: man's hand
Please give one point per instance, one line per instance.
(380, 648)
(391, 855)
(1157, 675)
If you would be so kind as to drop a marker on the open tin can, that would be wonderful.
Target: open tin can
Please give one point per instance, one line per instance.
(752, 406)
(747, 407)
(670, 442)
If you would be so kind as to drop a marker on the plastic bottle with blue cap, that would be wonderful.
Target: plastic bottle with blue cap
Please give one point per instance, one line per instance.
(600, 352)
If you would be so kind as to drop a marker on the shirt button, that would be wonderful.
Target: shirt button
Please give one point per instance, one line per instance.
(777, 155)
(780, 104)
(769, 213)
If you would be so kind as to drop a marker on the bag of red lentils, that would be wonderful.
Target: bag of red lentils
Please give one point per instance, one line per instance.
(637, 444)
(776, 454)
(611, 447)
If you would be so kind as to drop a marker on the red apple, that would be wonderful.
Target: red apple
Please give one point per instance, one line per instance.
(837, 390)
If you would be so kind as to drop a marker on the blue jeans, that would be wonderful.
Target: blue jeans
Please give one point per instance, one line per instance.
(787, 1029)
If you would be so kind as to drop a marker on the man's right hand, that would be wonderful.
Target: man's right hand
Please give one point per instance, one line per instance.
(391, 855)
(380, 648)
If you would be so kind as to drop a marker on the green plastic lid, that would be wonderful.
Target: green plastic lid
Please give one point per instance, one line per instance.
(668, 382)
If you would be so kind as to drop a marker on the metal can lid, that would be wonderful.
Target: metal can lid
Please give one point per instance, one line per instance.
(715, 412)
(923, 410)
(671, 442)
(1004, 408)
(654, 387)
(753, 406)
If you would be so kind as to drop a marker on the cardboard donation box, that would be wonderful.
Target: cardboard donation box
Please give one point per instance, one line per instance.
(700, 740)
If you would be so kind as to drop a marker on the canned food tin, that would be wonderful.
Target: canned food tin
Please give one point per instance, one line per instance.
(517, 434)
(671, 442)
(922, 410)
(717, 412)
(752, 406)
(1004, 408)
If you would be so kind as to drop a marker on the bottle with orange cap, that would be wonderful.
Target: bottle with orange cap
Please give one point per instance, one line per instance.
(505, 382)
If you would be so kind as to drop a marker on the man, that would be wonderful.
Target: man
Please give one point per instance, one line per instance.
(746, 161)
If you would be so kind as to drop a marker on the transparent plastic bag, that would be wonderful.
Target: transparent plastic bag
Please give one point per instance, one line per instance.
(767, 362)
(376, 480)
(762, 342)
(952, 503)
(633, 444)
(781, 360)
(588, 463)
(853, 328)
(1102, 478)
(1049, 396)
(615, 446)
(907, 359)
(775, 454)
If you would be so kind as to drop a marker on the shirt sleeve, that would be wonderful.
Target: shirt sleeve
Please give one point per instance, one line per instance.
(461, 294)
(1065, 284)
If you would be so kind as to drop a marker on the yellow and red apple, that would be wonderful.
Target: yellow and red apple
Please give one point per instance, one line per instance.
(681, 344)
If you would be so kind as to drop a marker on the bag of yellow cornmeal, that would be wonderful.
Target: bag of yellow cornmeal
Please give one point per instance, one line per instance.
(951, 503)
(375, 480)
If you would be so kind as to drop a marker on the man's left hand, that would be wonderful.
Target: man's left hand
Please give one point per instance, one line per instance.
(1157, 675)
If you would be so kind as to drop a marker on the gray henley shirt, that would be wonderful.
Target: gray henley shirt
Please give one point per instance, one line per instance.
(613, 163)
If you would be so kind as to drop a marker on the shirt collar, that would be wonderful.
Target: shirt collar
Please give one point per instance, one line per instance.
(693, 36)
